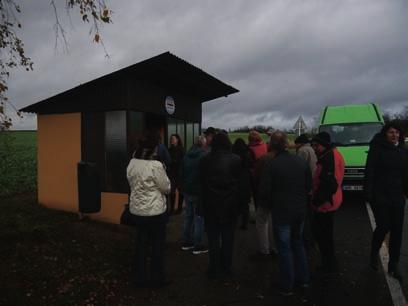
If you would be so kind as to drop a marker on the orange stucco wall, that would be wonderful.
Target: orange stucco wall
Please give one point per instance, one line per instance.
(59, 151)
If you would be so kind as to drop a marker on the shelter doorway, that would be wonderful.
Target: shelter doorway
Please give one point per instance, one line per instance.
(156, 122)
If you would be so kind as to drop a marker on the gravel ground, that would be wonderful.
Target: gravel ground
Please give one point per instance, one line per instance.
(255, 283)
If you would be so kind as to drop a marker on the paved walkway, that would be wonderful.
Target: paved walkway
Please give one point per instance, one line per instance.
(404, 253)
(255, 282)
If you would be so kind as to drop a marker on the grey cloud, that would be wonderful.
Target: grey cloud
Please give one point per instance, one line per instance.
(287, 58)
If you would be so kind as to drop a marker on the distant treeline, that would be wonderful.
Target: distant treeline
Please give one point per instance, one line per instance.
(246, 129)
(401, 118)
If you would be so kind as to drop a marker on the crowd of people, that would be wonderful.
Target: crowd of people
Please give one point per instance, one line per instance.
(296, 197)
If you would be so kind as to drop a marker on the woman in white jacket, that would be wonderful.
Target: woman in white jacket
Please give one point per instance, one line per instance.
(149, 185)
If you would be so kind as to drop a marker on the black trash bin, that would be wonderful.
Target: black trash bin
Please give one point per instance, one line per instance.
(89, 188)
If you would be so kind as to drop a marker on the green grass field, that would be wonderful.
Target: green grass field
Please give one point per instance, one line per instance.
(18, 162)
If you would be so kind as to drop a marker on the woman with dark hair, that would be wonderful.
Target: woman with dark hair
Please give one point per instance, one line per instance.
(149, 185)
(385, 188)
(176, 151)
(242, 150)
(220, 172)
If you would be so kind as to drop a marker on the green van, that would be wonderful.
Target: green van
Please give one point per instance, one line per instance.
(351, 128)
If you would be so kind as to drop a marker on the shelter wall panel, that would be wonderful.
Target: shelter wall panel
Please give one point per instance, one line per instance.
(59, 151)
(150, 98)
(112, 207)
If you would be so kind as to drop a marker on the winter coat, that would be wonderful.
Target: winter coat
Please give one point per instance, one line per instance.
(284, 186)
(260, 166)
(386, 173)
(308, 154)
(220, 176)
(258, 149)
(327, 181)
(149, 185)
(190, 171)
(176, 155)
(256, 175)
(164, 155)
(245, 178)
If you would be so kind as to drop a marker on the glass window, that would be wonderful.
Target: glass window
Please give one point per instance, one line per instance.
(196, 129)
(189, 135)
(181, 131)
(116, 153)
(136, 124)
(93, 141)
(351, 134)
(171, 128)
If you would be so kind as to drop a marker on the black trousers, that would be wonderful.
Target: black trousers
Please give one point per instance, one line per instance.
(151, 233)
(173, 204)
(244, 214)
(322, 229)
(220, 245)
(388, 219)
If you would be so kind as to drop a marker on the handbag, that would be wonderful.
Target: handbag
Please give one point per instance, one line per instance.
(127, 218)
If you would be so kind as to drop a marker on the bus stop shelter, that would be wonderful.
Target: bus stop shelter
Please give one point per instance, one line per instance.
(87, 134)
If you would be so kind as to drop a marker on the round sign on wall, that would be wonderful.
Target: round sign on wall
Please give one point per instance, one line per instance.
(170, 105)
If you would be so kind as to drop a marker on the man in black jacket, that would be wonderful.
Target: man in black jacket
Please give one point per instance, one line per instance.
(220, 175)
(385, 188)
(285, 186)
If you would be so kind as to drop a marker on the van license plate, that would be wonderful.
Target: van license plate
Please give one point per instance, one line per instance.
(353, 187)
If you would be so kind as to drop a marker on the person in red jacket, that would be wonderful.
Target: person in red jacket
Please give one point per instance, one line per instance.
(258, 148)
(326, 198)
(263, 217)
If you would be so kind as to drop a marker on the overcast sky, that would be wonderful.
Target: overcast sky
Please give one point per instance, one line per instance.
(287, 58)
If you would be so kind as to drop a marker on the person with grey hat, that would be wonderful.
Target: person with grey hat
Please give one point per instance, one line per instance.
(326, 198)
(305, 151)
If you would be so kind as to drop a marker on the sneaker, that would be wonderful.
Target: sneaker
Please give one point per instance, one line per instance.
(260, 257)
(200, 250)
(284, 292)
(160, 284)
(395, 273)
(302, 285)
(187, 247)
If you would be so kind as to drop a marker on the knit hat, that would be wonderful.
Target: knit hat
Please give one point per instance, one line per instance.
(323, 138)
(302, 139)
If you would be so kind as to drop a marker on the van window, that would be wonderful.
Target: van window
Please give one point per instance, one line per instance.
(351, 134)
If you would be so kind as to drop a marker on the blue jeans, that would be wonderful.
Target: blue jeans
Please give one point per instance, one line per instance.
(292, 259)
(193, 226)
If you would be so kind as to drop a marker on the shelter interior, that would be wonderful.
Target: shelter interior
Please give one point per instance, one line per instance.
(110, 138)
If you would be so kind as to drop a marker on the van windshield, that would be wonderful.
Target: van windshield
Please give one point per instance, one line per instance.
(351, 134)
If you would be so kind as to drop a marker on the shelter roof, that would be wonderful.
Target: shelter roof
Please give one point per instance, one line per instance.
(165, 70)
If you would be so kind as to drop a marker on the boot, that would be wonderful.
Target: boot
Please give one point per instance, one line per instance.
(395, 272)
